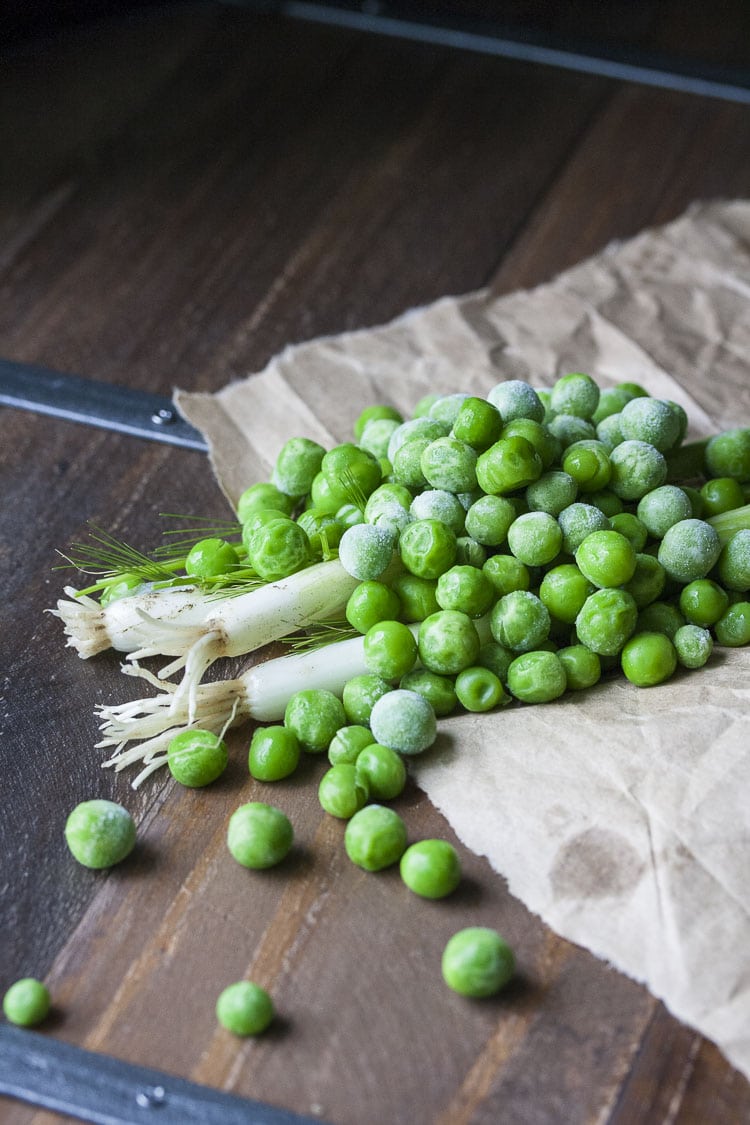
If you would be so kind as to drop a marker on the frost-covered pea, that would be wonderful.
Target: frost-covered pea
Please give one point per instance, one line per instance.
(404, 721)
(366, 550)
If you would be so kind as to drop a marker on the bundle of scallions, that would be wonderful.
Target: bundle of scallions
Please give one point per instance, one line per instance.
(484, 551)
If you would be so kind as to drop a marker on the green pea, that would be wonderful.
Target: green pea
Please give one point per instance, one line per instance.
(390, 649)
(477, 962)
(346, 466)
(569, 428)
(478, 689)
(263, 495)
(211, 557)
(447, 642)
(342, 791)
(576, 394)
(196, 757)
(404, 721)
(373, 412)
(466, 589)
(446, 408)
(259, 835)
(721, 494)
(520, 621)
(121, 587)
(360, 695)
(733, 627)
(274, 753)
(611, 401)
(488, 520)
(608, 432)
(244, 1008)
(540, 437)
(628, 524)
(497, 658)
(428, 547)
(381, 771)
(563, 590)
(582, 667)
(371, 602)
(587, 463)
(347, 743)
(693, 646)
(450, 464)
(278, 549)
(648, 581)
(365, 550)
(660, 617)
(418, 596)
(377, 435)
(478, 423)
(431, 868)
(728, 455)
(515, 398)
(407, 463)
(606, 558)
(535, 538)
(650, 420)
(510, 463)
(416, 429)
(536, 677)
(507, 573)
(297, 464)
(689, 550)
(703, 602)
(439, 691)
(438, 504)
(27, 1002)
(663, 507)
(314, 715)
(637, 468)
(579, 520)
(606, 501)
(553, 491)
(648, 659)
(323, 530)
(388, 507)
(100, 833)
(606, 620)
(733, 567)
(375, 838)
(470, 553)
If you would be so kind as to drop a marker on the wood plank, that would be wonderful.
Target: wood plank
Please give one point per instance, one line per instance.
(261, 183)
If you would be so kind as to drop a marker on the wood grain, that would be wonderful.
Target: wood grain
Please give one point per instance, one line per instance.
(182, 194)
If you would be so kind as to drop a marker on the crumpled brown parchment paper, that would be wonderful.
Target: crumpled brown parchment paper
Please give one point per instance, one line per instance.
(620, 815)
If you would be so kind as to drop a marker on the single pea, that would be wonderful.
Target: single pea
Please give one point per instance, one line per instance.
(478, 423)
(466, 589)
(663, 507)
(342, 790)
(721, 494)
(587, 463)
(693, 645)
(360, 695)
(371, 602)
(438, 504)
(278, 549)
(347, 743)
(323, 531)
(477, 962)
(197, 757)
(100, 833)
(606, 620)
(259, 835)
(404, 721)
(540, 438)
(582, 667)
(211, 557)
(478, 689)
(263, 495)
(733, 567)
(606, 501)
(416, 429)
(515, 398)
(388, 507)
(439, 691)
(427, 547)
(520, 621)
(450, 464)
(375, 838)
(431, 868)
(469, 552)
(703, 601)
(511, 463)
(697, 507)
(507, 573)
(553, 491)
(314, 715)
(611, 401)
(381, 771)
(27, 1002)
(733, 627)
(377, 435)
(447, 642)
(274, 753)
(365, 550)
(297, 463)
(407, 464)
(488, 520)
(390, 649)
(660, 617)
(535, 538)
(563, 590)
(418, 596)
(373, 412)
(446, 408)
(577, 521)
(637, 468)
(728, 455)
(606, 558)
(537, 677)
(650, 420)
(569, 428)
(689, 550)
(648, 659)
(349, 514)
(628, 524)
(576, 394)
(648, 581)
(244, 1008)
(346, 467)
(608, 432)
(497, 658)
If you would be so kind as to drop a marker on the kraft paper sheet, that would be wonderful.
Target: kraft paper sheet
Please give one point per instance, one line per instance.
(620, 815)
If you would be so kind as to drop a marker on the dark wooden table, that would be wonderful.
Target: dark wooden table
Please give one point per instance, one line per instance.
(184, 192)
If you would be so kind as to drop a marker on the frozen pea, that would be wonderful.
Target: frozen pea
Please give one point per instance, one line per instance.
(650, 420)
(703, 602)
(539, 436)
(488, 520)
(446, 408)
(376, 436)
(515, 398)
(381, 771)
(537, 677)
(210, 558)
(733, 627)
(479, 689)
(438, 504)
(448, 642)
(520, 621)
(439, 691)
(689, 550)
(660, 617)
(728, 455)
(404, 721)
(360, 695)
(662, 507)
(693, 645)
(577, 521)
(509, 464)
(420, 427)
(478, 423)
(375, 412)
(448, 463)
(535, 538)
(734, 562)
(507, 573)
(628, 524)
(428, 547)
(371, 602)
(375, 838)
(465, 588)
(278, 549)
(606, 558)
(606, 620)
(314, 715)
(100, 833)
(575, 393)
(553, 491)
(263, 495)
(407, 464)
(390, 649)
(721, 494)
(418, 596)
(347, 743)
(297, 464)
(259, 835)
(608, 432)
(563, 590)
(365, 550)
(477, 962)
(648, 659)
(582, 667)
(648, 581)
(342, 791)
(587, 463)
(637, 468)
(569, 428)
(469, 552)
